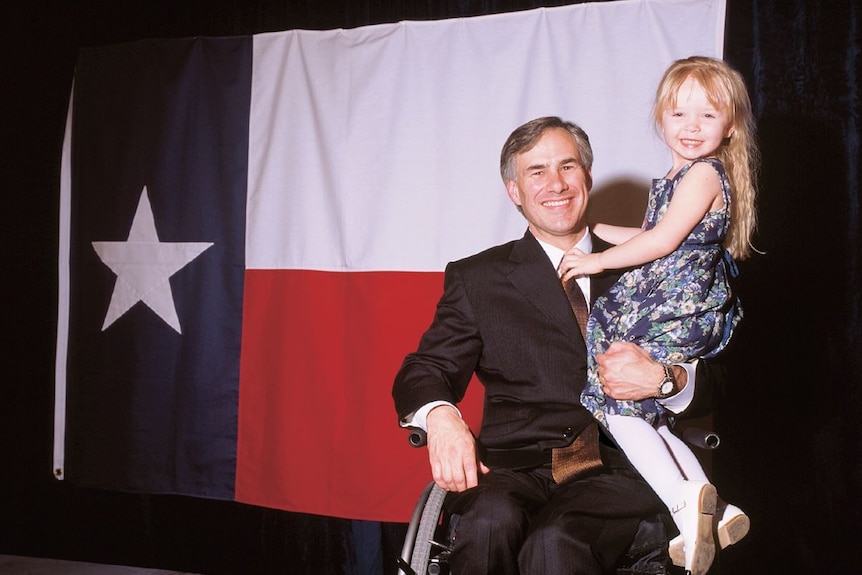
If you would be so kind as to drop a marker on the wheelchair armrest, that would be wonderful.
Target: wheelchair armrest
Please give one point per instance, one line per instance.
(695, 436)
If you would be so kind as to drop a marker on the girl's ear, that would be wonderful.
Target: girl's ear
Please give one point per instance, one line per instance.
(728, 135)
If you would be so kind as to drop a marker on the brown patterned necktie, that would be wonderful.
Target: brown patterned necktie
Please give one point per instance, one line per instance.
(582, 456)
(578, 303)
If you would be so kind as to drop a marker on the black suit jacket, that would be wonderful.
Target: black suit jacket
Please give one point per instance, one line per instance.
(505, 317)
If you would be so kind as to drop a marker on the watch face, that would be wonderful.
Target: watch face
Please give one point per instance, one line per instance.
(666, 387)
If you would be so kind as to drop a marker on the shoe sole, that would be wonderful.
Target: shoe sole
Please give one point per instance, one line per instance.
(728, 534)
(677, 553)
(704, 546)
(734, 530)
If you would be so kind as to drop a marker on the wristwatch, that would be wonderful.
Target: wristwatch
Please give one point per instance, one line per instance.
(666, 386)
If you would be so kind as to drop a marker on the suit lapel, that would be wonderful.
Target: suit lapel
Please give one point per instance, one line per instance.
(533, 276)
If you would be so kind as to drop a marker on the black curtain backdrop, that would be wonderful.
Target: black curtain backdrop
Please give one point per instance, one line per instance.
(789, 417)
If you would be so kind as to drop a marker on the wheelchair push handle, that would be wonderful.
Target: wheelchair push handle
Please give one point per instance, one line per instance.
(701, 438)
(417, 437)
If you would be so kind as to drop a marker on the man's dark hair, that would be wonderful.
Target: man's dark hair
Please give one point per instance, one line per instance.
(525, 137)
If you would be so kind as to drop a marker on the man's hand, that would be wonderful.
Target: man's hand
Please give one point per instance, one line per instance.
(628, 372)
(452, 450)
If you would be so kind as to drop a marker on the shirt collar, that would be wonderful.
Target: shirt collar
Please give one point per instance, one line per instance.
(555, 254)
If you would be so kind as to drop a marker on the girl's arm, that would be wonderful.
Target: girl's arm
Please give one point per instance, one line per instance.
(697, 193)
(615, 234)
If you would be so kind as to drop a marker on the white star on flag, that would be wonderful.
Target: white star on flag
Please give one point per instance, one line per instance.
(144, 266)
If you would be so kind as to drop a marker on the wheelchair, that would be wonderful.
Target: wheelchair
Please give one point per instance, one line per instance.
(421, 553)
(430, 532)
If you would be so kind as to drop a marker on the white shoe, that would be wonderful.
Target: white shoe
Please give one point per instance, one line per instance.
(695, 514)
(676, 550)
(731, 525)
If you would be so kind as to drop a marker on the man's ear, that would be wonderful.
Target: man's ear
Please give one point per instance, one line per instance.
(588, 176)
(512, 189)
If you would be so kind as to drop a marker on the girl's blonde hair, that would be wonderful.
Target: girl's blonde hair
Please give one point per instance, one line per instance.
(725, 90)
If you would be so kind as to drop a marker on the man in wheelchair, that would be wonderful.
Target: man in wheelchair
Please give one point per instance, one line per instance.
(540, 489)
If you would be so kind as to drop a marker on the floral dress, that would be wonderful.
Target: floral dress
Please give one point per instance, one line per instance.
(677, 307)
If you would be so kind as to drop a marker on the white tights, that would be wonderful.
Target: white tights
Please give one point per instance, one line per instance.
(662, 458)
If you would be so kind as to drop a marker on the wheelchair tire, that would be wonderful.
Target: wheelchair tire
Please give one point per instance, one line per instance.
(426, 532)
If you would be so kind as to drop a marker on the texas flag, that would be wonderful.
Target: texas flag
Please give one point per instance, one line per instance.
(254, 231)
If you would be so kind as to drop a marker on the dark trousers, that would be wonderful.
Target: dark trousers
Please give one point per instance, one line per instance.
(522, 522)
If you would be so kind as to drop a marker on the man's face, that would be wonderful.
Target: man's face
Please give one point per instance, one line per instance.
(552, 189)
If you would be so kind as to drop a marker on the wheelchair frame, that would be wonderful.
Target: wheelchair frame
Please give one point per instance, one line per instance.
(419, 542)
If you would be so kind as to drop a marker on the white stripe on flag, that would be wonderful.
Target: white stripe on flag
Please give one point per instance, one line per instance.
(377, 148)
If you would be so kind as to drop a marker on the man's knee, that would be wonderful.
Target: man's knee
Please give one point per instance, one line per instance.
(554, 548)
(491, 514)
(489, 532)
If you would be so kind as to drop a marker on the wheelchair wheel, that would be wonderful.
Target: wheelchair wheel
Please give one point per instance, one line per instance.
(418, 545)
(427, 528)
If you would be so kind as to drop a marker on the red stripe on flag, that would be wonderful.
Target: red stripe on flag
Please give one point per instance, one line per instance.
(318, 431)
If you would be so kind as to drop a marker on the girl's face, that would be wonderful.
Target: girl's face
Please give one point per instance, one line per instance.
(693, 128)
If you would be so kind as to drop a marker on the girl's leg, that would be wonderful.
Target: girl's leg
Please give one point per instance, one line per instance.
(649, 454)
(691, 502)
(684, 456)
(731, 523)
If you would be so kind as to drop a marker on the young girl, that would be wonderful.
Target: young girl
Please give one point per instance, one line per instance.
(679, 304)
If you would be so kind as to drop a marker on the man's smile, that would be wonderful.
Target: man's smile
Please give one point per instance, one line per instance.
(556, 203)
